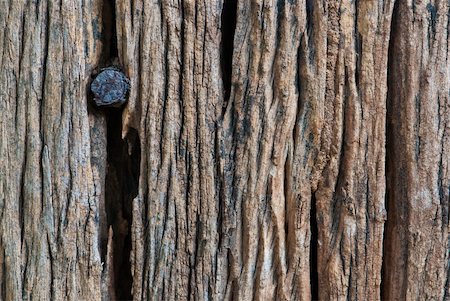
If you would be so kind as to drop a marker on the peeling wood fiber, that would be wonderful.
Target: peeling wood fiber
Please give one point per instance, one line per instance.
(50, 186)
(306, 158)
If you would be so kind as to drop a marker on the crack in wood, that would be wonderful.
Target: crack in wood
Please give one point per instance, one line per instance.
(228, 28)
(122, 178)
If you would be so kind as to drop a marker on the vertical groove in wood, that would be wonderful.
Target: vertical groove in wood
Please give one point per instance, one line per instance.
(417, 244)
(49, 193)
(350, 164)
(171, 51)
(230, 170)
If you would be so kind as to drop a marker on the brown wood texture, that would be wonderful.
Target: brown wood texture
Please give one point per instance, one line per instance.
(50, 187)
(418, 179)
(269, 150)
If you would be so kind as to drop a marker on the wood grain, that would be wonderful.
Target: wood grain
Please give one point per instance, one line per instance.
(284, 149)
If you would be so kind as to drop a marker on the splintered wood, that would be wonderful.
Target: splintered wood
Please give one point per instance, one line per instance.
(315, 165)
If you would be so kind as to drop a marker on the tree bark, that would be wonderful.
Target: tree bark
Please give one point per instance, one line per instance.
(269, 150)
(417, 241)
(50, 182)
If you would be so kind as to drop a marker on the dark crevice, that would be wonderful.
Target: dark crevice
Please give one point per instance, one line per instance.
(286, 190)
(314, 274)
(310, 31)
(228, 28)
(358, 50)
(109, 36)
(389, 158)
(122, 173)
(121, 187)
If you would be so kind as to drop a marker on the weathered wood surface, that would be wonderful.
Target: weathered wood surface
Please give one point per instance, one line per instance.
(418, 154)
(50, 184)
(305, 159)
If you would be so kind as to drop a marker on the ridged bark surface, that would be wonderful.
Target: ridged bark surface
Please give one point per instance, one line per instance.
(50, 182)
(269, 150)
(418, 154)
